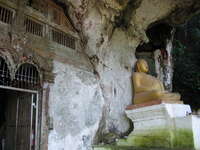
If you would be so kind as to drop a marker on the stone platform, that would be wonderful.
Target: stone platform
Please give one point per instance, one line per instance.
(162, 124)
(132, 148)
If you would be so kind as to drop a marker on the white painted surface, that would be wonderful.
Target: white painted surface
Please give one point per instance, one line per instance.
(161, 110)
(162, 116)
(165, 116)
(196, 131)
(178, 110)
(183, 122)
(75, 107)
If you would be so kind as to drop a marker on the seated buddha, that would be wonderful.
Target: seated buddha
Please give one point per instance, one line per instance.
(148, 88)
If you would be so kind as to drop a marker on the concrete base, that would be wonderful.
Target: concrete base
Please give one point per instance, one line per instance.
(114, 147)
(163, 125)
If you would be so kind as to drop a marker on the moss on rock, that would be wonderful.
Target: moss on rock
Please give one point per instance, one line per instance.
(181, 138)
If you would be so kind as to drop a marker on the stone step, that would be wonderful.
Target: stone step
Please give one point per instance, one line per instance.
(115, 147)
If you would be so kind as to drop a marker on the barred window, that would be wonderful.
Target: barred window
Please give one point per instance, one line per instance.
(63, 39)
(27, 77)
(33, 27)
(6, 15)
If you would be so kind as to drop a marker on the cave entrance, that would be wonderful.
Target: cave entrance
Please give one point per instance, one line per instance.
(158, 35)
(157, 52)
(18, 107)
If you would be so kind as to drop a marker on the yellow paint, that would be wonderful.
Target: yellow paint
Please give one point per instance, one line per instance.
(148, 88)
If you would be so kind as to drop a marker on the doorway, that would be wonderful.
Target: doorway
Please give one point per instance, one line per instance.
(18, 119)
(19, 88)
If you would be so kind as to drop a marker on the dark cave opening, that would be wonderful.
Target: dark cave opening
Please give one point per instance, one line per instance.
(157, 34)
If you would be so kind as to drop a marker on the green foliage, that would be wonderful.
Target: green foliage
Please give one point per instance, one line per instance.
(195, 34)
(187, 68)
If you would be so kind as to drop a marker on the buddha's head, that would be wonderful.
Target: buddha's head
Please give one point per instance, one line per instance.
(142, 66)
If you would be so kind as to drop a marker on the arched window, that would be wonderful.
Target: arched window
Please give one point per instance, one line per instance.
(27, 77)
(4, 73)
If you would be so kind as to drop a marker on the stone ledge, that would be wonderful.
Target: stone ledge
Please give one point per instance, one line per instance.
(155, 102)
(115, 147)
(163, 125)
(165, 138)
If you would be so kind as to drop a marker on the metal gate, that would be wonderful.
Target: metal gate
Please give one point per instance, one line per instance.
(21, 133)
(22, 115)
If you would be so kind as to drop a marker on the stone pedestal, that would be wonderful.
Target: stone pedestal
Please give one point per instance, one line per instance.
(163, 125)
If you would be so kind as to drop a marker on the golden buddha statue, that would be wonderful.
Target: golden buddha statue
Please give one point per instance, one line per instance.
(148, 88)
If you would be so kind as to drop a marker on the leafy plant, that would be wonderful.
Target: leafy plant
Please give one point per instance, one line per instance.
(187, 71)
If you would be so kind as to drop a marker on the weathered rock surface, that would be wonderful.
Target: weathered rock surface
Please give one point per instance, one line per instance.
(87, 105)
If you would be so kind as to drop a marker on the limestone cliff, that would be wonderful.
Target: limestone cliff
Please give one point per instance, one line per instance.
(86, 106)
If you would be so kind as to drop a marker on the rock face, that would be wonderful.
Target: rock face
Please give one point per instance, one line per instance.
(87, 102)
(82, 103)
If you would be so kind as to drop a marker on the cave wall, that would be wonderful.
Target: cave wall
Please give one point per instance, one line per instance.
(87, 103)
(86, 106)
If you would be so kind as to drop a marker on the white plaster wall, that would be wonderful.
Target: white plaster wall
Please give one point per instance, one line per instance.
(75, 107)
(79, 98)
